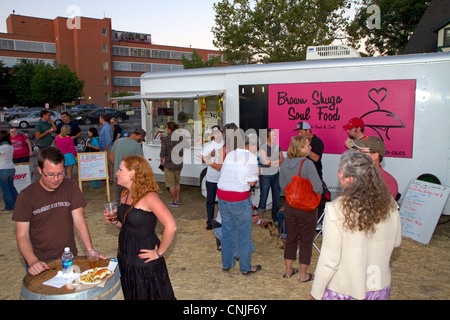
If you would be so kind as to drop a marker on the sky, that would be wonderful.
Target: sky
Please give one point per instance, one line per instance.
(180, 23)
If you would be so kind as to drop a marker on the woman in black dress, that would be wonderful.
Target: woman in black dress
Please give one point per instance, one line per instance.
(143, 270)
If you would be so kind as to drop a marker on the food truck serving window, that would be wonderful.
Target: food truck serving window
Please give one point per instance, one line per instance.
(195, 115)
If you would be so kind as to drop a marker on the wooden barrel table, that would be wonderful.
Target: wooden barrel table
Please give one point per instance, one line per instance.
(34, 289)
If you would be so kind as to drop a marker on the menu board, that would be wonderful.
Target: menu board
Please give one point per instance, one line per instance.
(93, 166)
(211, 119)
(421, 209)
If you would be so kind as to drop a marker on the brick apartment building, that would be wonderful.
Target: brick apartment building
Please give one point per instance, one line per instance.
(107, 60)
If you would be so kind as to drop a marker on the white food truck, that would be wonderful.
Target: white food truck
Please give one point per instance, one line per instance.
(404, 100)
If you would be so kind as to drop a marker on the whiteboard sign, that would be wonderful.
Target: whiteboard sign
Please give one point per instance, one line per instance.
(421, 209)
(92, 165)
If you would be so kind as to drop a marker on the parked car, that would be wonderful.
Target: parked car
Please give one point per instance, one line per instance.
(83, 108)
(16, 112)
(92, 117)
(33, 118)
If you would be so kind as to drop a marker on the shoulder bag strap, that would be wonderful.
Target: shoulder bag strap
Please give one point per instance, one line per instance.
(301, 165)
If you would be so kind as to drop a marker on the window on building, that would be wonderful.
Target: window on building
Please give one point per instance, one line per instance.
(104, 32)
(122, 66)
(106, 81)
(129, 66)
(138, 52)
(135, 82)
(30, 46)
(50, 47)
(10, 62)
(107, 96)
(160, 67)
(177, 55)
(138, 67)
(177, 67)
(157, 67)
(105, 48)
(121, 51)
(126, 82)
(150, 53)
(447, 37)
(6, 44)
(211, 56)
(105, 65)
(161, 54)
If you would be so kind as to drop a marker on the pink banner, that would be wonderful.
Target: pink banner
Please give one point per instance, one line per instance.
(386, 107)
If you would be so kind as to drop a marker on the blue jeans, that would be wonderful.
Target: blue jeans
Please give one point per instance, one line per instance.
(218, 234)
(236, 228)
(267, 183)
(9, 191)
(211, 191)
(282, 230)
(20, 160)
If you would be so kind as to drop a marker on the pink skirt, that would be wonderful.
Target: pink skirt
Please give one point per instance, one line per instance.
(382, 294)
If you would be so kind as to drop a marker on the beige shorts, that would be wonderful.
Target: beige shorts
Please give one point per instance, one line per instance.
(172, 177)
(108, 152)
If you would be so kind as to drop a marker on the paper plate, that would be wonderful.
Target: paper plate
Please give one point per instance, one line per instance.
(91, 270)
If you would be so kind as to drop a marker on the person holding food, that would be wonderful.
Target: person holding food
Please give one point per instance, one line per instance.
(46, 213)
(144, 274)
(361, 229)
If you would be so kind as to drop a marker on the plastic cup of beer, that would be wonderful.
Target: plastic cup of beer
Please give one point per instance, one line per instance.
(92, 257)
(111, 210)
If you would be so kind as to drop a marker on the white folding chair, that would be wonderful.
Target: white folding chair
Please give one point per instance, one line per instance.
(318, 230)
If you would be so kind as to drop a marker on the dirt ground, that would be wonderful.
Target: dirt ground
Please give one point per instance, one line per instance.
(419, 272)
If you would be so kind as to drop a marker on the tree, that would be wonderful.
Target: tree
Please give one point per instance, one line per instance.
(196, 61)
(23, 72)
(397, 21)
(66, 86)
(35, 83)
(42, 84)
(5, 84)
(123, 94)
(275, 30)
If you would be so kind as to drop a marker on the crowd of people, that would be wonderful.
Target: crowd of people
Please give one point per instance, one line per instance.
(361, 227)
(366, 213)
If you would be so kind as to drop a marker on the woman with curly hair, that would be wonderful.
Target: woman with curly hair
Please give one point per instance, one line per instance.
(361, 229)
(143, 270)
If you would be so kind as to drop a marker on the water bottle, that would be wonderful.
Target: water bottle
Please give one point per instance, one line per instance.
(67, 262)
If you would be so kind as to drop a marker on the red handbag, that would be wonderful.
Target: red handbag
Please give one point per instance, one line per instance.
(300, 194)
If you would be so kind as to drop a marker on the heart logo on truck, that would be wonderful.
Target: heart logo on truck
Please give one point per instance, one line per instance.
(379, 119)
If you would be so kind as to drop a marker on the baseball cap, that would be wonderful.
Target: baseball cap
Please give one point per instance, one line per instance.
(140, 132)
(303, 126)
(354, 123)
(374, 144)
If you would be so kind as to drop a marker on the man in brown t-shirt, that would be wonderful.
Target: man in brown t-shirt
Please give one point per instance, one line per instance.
(46, 213)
